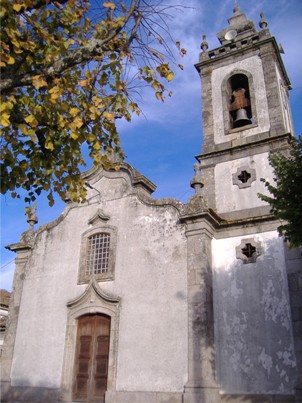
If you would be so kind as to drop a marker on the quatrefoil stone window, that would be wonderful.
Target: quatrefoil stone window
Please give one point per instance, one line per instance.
(248, 250)
(244, 177)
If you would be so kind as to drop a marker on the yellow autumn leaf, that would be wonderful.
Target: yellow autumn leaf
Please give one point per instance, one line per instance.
(94, 112)
(15, 43)
(6, 105)
(110, 5)
(74, 112)
(5, 122)
(38, 82)
(170, 76)
(53, 97)
(158, 95)
(10, 60)
(49, 145)
(83, 83)
(74, 135)
(23, 129)
(97, 146)
(97, 159)
(133, 106)
(31, 120)
(61, 121)
(108, 115)
(155, 85)
(13, 32)
(55, 93)
(54, 90)
(78, 122)
(98, 101)
(32, 135)
(17, 7)
(90, 137)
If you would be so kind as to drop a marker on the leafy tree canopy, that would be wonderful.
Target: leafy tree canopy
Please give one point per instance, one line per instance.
(68, 71)
(286, 193)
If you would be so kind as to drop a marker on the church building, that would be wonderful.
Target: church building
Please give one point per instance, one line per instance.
(131, 299)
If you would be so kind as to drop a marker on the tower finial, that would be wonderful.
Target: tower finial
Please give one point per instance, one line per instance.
(236, 7)
(263, 22)
(28, 236)
(204, 44)
(196, 182)
(32, 218)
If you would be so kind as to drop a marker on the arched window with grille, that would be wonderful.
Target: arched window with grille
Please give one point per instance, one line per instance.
(98, 254)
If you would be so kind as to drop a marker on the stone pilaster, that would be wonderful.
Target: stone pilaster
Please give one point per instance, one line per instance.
(23, 252)
(275, 107)
(201, 385)
(207, 109)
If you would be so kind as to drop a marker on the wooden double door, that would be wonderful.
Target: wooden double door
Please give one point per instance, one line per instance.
(91, 360)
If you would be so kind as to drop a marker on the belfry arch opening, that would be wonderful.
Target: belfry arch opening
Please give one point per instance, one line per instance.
(239, 101)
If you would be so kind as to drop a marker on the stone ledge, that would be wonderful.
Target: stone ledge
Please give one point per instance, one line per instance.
(256, 144)
(201, 395)
(239, 398)
(143, 397)
(30, 394)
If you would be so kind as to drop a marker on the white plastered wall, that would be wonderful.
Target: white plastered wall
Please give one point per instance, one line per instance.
(253, 334)
(150, 280)
(229, 197)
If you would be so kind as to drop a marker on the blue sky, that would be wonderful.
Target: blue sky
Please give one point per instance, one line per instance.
(163, 142)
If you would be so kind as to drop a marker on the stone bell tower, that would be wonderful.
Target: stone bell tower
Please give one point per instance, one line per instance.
(241, 343)
(245, 114)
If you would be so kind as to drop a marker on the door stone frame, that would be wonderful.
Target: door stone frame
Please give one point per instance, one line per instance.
(92, 301)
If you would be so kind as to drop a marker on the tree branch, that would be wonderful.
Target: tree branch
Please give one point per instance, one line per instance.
(95, 47)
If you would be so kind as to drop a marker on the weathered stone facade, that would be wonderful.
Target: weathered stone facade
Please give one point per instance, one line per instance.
(203, 299)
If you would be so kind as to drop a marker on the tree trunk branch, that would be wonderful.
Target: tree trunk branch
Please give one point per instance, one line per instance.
(93, 48)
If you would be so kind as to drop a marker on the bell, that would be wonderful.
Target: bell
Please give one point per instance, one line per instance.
(241, 118)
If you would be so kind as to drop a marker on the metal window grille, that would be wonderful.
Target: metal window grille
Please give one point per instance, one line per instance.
(98, 253)
(244, 176)
(248, 250)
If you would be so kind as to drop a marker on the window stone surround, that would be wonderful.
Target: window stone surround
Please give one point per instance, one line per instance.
(105, 276)
(248, 259)
(248, 183)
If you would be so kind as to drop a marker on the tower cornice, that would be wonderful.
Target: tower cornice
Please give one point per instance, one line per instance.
(235, 48)
(256, 143)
